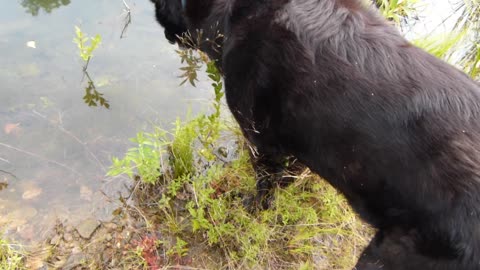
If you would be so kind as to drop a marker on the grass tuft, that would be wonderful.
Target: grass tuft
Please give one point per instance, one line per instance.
(11, 256)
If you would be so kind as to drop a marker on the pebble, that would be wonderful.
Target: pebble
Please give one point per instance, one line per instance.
(87, 228)
(26, 232)
(68, 237)
(86, 193)
(32, 193)
(110, 226)
(69, 228)
(55, 240)
(108, 237)
(36, 263)
(76, 249)
(74, 261)
(18, 217)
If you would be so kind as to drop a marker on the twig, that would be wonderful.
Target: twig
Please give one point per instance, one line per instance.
(84, 146)
(128, 19)
(9, 173)
(70, 134)
(39, 114)
(126, 6)
(85, 73)
(40, 157)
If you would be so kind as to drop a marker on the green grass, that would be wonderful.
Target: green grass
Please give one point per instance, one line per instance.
(11, 256)
(440, 45)
(397, 10)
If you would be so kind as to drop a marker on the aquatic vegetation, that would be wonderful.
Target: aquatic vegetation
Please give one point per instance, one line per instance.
(86, 46)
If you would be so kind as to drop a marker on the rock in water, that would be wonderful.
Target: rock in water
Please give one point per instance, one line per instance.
(87, 228)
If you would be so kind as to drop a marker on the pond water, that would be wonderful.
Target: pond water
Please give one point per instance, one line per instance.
(54, 149)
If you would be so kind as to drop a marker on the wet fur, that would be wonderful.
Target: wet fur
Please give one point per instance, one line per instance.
(333, 84)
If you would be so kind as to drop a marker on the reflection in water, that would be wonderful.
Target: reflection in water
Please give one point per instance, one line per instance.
(92, 97)
(34, 6)
(128, 19)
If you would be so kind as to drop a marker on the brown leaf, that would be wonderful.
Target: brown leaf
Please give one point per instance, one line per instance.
(11, 128)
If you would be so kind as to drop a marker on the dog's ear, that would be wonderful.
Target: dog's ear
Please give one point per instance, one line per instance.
(170, 15)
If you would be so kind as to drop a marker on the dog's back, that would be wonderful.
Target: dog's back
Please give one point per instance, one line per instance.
(392, 127)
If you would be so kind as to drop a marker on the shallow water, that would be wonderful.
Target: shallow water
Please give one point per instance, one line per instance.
(54, 149)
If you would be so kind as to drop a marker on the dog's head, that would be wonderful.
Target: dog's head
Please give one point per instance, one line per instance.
(191, 23)
(170, 14)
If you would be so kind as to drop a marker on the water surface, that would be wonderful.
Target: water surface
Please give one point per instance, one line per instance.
(54, 149)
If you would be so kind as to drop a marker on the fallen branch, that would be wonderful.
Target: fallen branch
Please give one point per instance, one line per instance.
(40, 157)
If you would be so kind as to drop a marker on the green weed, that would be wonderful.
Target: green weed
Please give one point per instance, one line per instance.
(440, 45)
(474, 65)
(397, 10)
(11, 257)
(86, 46)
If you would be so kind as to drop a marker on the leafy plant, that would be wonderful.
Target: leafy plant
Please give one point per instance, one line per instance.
(179, 249)
(193, 64)
(86, 46)
(145, 159)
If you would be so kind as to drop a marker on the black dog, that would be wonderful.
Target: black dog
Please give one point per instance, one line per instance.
(333, 84)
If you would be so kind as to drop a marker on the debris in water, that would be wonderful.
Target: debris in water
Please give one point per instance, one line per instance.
(32, 193)
(32, 44)
(11, 128)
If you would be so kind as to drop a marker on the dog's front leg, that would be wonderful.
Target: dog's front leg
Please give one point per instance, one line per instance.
(269, 169)
(270, 165)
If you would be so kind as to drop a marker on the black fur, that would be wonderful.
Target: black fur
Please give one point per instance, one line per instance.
(333, 84)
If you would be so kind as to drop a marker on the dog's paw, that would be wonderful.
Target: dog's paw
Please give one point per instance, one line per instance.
(258, 202)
